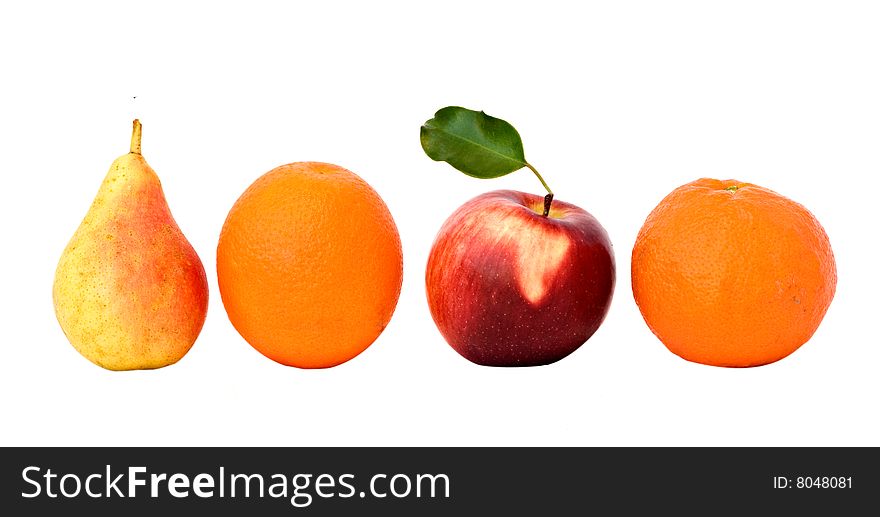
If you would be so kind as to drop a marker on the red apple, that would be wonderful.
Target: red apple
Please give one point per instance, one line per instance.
(508, 286)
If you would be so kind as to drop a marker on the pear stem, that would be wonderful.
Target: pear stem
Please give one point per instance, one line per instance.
(136, 137)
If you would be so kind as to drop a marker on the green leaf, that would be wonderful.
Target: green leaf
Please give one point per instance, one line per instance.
(473, 142)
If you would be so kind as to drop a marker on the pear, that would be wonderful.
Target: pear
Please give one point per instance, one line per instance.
(130, 291)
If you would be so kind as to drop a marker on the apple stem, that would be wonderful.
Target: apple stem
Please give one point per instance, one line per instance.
(136, 137)
(548, 199)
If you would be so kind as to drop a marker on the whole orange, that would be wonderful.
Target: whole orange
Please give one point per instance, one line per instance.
(727, 273)
(309, 265)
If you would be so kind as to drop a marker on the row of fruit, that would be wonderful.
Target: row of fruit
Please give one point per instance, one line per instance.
(309, 266)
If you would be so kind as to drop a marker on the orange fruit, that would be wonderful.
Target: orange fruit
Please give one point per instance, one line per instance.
(309, 265)
(727, 273)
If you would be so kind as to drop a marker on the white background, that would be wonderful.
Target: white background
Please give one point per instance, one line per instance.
(617, 102)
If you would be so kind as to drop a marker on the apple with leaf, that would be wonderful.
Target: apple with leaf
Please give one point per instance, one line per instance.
(513, 279)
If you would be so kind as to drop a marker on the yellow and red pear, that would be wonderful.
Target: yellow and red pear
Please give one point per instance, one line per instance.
(130, 291)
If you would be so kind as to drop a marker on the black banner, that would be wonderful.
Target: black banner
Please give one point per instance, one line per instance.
(437, 481)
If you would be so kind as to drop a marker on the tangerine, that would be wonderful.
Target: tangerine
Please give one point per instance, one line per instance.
(727, 273)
